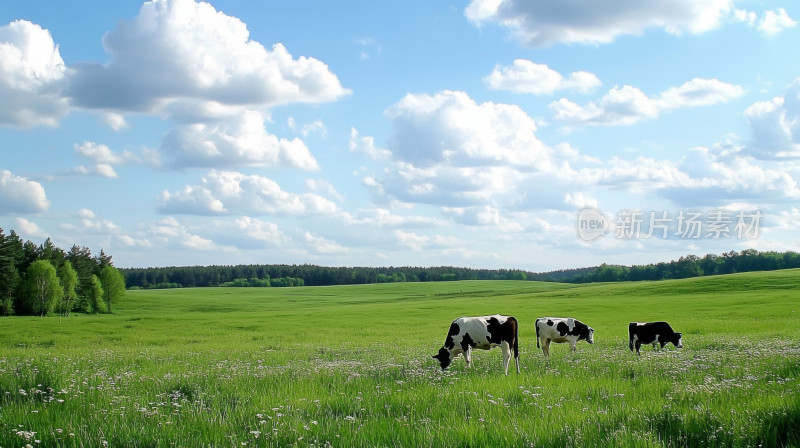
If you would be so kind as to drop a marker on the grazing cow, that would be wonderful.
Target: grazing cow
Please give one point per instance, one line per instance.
(652, 333)
(483, 332)
(561, 329)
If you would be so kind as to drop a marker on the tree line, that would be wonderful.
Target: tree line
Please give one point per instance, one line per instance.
(302, 275)
(41, 279)
(313, 275)
(685, 267)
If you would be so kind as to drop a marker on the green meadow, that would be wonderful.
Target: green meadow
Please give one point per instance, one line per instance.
(348, 366)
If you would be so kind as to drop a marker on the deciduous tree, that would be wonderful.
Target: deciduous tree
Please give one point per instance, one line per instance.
(41, 288)
(113, 285)
(69, 281)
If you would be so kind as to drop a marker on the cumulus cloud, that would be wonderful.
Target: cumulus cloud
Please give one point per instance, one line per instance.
(88, 222)
(180, 55)
(538, 24)
(241, 140)
(525, 76)
(234, 193)
(366, 145)
(31, 76)
(171, 233)
(450, 127)
(417, 242)
(773, 22)
(385, 218)
(627, 105)
(247, 233)
(322, 245)
(455, 154)
(103, 159)
(20, 195)
(714, 179)
(28, 228)
(775, 126)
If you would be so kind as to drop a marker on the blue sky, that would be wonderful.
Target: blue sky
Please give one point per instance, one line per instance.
(417, 133)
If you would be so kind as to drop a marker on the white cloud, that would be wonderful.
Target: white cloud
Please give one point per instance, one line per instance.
(627, 105)
(179, 55)
(87, 222)
(450, 127)
(322, 245)
(115, 121)
(525, 76)
(775, 126)
(739, 176)
(502, 221)
(230, 192)
(103, 159)
(315, 127)
(538, 24)
(169, 233)
(247, 233)
(20, 195)
(241, 140)
(100, 169)
(385, 218)
(191, 200)
(366, 145)
(702, 177)
(98, 153)
(580, 200)
(773, 22)
(418, 242)
(31, 72)
(368, 46)
(29, 229)
(699, 92)
(324, 187)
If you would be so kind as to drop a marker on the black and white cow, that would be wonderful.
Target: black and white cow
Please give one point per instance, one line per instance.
(482, 332)
(561, 329)
(652, 333)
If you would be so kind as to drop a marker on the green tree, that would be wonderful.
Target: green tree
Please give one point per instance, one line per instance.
(41, 288)
(69, 281)
(96, 295)
(113, 285)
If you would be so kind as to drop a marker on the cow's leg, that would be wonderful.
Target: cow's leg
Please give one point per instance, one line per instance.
(506, 355)
(546, 347)
(468, 356)
(638, 345)
(572, 346)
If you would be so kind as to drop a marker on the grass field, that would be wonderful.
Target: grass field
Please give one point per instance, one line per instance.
(350, 366)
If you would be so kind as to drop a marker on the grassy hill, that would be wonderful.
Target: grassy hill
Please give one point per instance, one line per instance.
(350, 366)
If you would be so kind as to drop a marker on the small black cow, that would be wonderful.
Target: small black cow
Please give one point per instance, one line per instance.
(652, 333)
(482, 332)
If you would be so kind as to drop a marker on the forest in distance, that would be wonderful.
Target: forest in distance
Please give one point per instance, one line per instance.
(313, 275)
(16, 255)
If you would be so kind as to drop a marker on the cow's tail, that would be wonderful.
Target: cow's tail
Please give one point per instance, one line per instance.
(516, 342)
(536, 324)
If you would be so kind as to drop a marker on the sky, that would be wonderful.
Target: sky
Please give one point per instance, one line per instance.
(536, 135)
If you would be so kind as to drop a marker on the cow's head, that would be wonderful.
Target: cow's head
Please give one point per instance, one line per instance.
(678, 340)
(590, 336)
(443, 357)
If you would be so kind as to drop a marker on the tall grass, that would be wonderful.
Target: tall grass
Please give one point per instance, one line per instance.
(350, 366)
